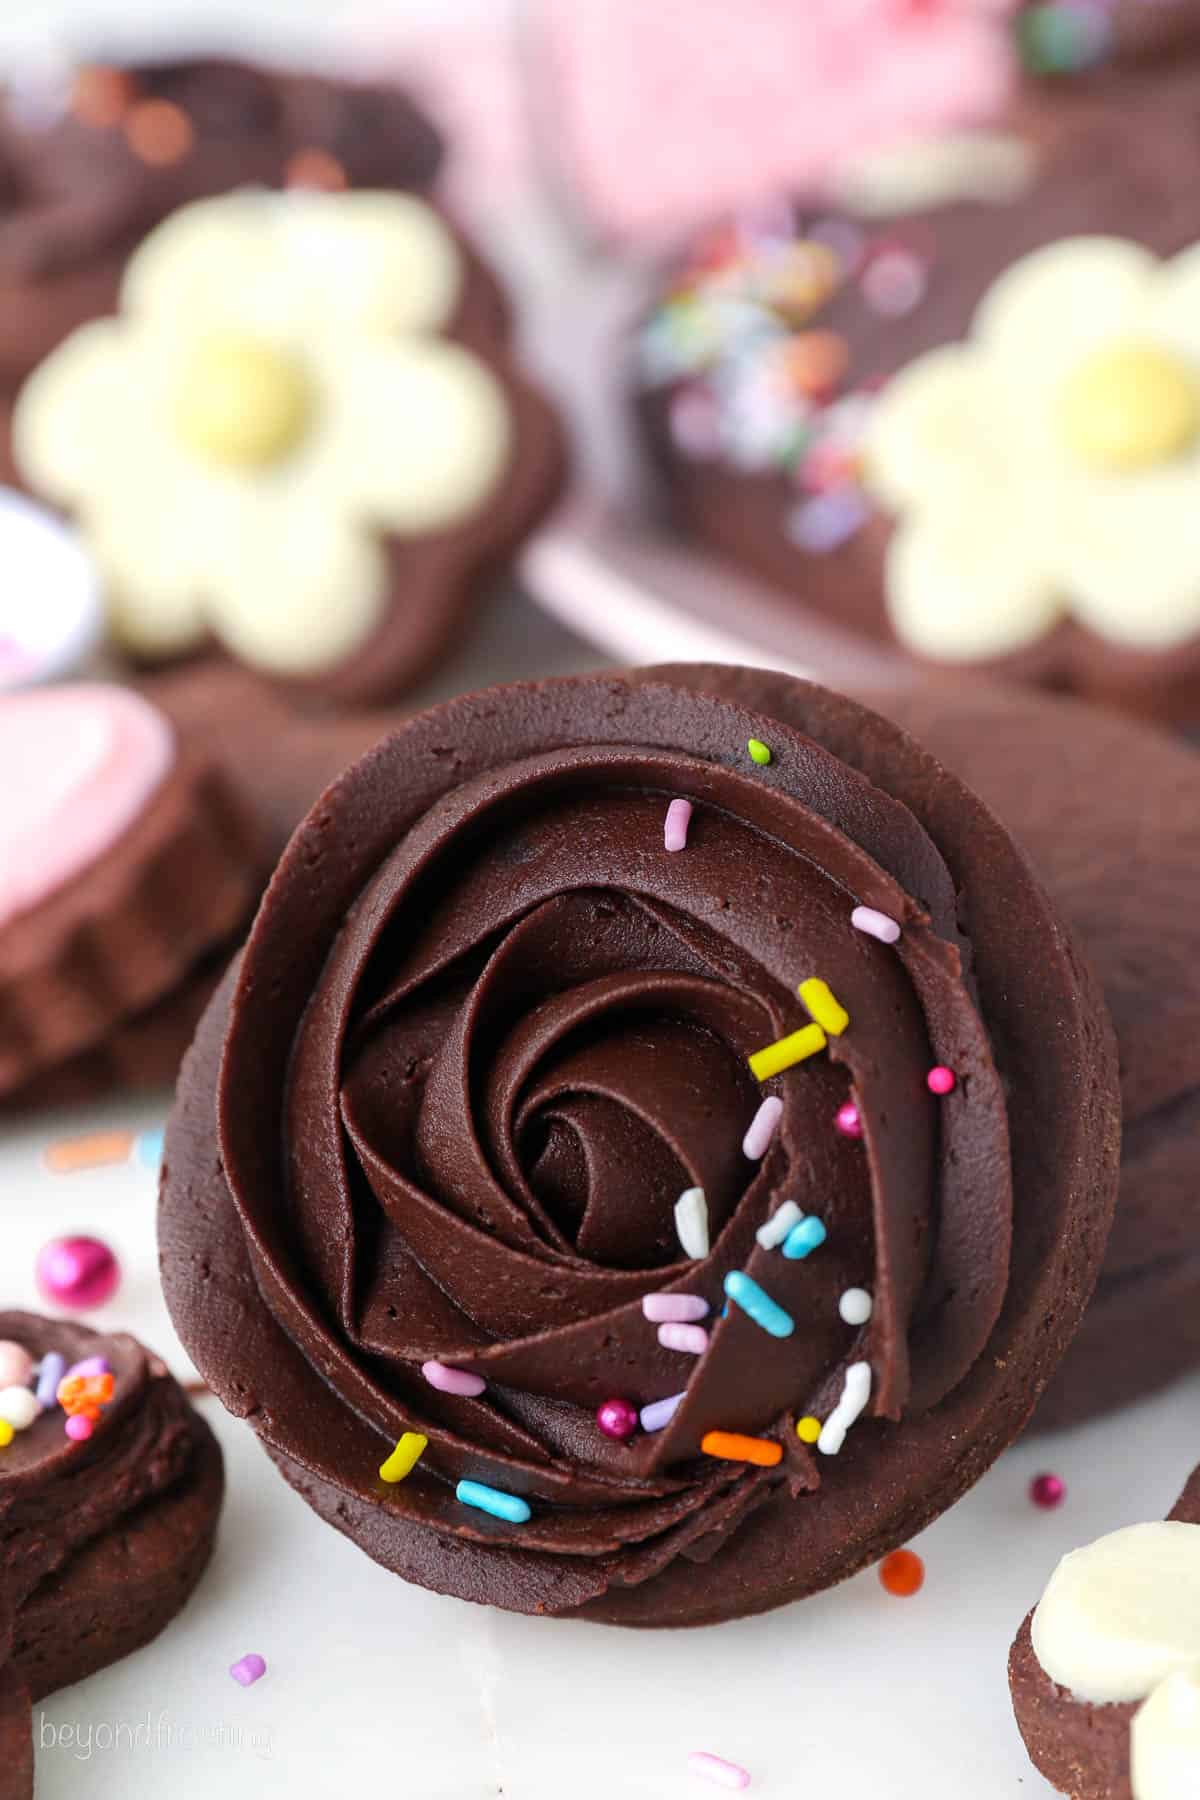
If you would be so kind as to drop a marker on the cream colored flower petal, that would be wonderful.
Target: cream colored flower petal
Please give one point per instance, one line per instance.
(1129, 556)
(423, 434)
(1050, 309)
(196, 269)
(297, 588)
(937, 424)
(1172, 312)
(152, 570)
(968, 587)
(377, 262)
(69, 423)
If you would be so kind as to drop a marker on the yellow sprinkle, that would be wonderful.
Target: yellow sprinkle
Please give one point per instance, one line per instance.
(808, 1430)
(6, 1434)
(404, 1457)
(825, 1008)
(789, 1050)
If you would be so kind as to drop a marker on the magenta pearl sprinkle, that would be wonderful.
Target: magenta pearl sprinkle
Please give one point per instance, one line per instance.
(1047, 1491)
(617, 1419)
(248, 1669)
(78, 1428)
(77, 1273)
(941, 1080)
(848, 1121)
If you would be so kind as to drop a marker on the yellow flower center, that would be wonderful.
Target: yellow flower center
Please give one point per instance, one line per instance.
(1129, 406)
(243, 402)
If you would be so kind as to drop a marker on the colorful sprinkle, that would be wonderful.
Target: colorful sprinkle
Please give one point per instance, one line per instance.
(316, 169)
(856, 1391)
(825, 1007)
(82, 1396)
(659, 1413)
(101, 96)
(674, 1309)
(1060, 38)
(16, 1364)
(692, 1339)
(1047, 1491)
(79, 1428)
(848, 1121)
(509, 1507)
(763, 1125)
(53, 1368)
(778, 1226)
(99, 1150)
(77, 1272)
(19, 1407)
(941, 1080)
(691, 1222)
(902, 1574)
(856, 1306)
(453, 1381)
(6, 1434)
(894, 283)
(148, 1149)
(159, 132)
(718, 1771)
(758, 1305)
(617, 1419)
(404, 1457)
(760, 753)
(875, 924)
(804, 1238)
(248, 1670)
(731, 1446)
(808, 1429)
(675, 826)
(91, 1365)
(829, 519)
(787, 1052)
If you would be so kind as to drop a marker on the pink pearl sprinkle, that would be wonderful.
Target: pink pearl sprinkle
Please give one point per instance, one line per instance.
(1048, 1491)
(875, 924)
(617, 1419)
(453, 1381)
(757, 1140)
(78, 1429)
(718, 1771)
(848, 1121)
(691, 1338)
(16, 1365)
(941, 1080)
(663, 1309)
(248, 1670)
(675, 830)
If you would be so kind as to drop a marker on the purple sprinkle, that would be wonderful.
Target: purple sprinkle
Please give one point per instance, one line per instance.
(249, 1670)
(828, 520)
(91, 1365)
(875, 924)
(53, 1368)
(679, 1309)
(844, 239)
(894, 283)
(660, 1413)
(675, 828)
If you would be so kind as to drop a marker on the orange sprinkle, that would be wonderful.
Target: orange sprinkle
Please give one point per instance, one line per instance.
(316, 169)
(94, 1152)
(730, 1446)
(159, 132)
(84, 1395)
(101, 96)
(902, 1574)
(817, 360)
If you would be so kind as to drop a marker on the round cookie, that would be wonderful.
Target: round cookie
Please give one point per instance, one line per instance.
(891, 407)
(105, 1538)
(476, 1098)
(1104, 1672)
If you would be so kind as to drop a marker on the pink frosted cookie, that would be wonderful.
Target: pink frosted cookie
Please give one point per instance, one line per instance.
(666, 115)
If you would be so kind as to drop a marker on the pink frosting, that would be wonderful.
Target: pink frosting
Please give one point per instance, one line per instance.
(79, 764)
(670, 111)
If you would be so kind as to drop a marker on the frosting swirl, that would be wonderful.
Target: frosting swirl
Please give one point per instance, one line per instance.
(485, 1033)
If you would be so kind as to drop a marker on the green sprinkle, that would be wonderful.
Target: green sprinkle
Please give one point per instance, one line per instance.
(1057, 39)
(759, 752)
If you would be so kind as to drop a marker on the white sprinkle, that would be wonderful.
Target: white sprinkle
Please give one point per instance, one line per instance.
(856, 1306)
(691, 1222)
(782, 1221)
(757, 1140)
(675, 826)
(19, 1407)
(875, 924)
(856, 1391)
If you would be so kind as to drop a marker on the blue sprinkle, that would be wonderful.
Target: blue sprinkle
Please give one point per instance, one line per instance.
(490, 1500)
(808, 1235)
(149, 1148)
(53, 1368)
(758, 1305)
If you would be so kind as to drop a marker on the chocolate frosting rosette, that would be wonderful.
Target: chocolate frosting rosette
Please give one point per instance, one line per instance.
(457, 1204)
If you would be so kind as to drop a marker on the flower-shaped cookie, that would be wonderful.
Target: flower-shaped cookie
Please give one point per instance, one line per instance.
(269, 414)
(1050, 465)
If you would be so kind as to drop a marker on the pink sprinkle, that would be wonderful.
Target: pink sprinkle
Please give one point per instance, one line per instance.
(941, 1080)
(674, 1309)
(757, 1140)
(894, 283)
(875, 924)
(1048, 1491)
(717, 1770)
(250, 1669)
(675, 830)
(453, 1381)
(848, 1121)
(78, 1429)
(692, 1338)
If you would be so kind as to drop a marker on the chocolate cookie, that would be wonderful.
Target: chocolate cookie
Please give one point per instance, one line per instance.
(895, 409)
(107, 1530)
(513, 1132)
(91, 161)
(1103, 1672)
